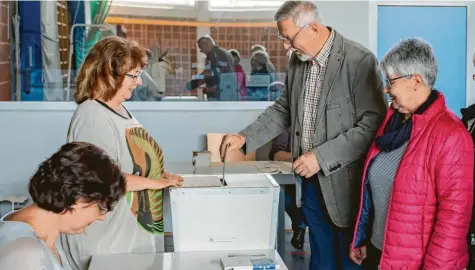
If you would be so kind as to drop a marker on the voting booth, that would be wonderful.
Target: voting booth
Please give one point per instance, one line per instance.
(235, 213)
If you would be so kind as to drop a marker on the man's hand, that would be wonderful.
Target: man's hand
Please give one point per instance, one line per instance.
(358, 255)
(233, 142)
(306, 165)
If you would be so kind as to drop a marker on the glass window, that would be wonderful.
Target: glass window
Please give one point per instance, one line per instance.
(45, 64)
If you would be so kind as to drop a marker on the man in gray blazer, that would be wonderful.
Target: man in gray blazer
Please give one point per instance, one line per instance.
(333, 104)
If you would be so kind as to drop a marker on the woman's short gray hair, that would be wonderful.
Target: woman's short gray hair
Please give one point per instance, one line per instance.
(411, 56)
(300, 12)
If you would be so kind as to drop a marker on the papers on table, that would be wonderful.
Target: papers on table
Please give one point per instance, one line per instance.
(201, 181)
(274, 167)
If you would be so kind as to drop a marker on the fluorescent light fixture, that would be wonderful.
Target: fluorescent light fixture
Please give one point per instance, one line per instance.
(159, 4)
(244, 3)
(243, 9)
(142, 6)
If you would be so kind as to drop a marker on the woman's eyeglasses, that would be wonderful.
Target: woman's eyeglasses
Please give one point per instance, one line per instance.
(134, 77)
(390, 81)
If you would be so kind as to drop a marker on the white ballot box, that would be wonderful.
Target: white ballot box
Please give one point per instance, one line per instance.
(239, 213)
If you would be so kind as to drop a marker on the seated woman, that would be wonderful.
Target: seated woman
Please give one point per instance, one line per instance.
(76, 186)
(280, 151)
(417, 193)
(109, 75)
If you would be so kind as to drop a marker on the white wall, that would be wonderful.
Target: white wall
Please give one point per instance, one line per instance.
(350, 18)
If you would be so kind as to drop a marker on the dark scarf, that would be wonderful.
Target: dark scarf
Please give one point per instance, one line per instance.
(398, 130)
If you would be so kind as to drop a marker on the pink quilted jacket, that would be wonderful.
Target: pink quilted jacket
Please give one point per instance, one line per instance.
(432, 196)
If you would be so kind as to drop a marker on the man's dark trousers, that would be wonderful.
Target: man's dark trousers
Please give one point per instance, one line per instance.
(329, 244)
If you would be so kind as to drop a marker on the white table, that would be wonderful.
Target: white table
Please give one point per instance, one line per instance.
(202, 260)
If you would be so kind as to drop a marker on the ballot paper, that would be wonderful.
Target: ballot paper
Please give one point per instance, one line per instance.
(274, 167)
(201, 181)
(236, 263)
(248, 263)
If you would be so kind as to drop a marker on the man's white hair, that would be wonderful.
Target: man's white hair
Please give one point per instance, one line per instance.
(300, 12)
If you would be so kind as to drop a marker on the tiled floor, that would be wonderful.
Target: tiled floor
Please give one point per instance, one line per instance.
(294, 259)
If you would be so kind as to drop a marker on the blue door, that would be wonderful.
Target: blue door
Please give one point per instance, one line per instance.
(445, 28)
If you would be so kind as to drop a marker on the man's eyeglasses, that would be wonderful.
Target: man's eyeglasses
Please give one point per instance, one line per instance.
(134, 77)
(390, 81)
(291, 41)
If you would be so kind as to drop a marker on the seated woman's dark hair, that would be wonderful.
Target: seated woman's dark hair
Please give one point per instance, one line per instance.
(77, 171)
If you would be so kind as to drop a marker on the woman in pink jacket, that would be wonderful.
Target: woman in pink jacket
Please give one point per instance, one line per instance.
(417, 191)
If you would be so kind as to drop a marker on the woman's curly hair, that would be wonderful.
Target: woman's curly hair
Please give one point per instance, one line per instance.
(77, 171)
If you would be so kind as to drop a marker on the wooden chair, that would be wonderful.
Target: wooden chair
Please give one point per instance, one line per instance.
(214, 142)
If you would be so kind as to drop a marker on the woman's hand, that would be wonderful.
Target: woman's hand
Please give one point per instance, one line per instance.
(168, 180)
(169, 175)
(138, 183)
(357, 255)
(162, 183)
